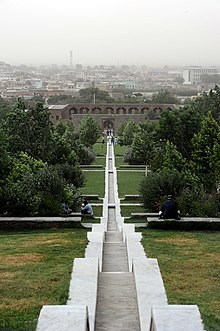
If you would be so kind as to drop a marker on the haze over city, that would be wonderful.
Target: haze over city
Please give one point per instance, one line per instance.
(115, 32)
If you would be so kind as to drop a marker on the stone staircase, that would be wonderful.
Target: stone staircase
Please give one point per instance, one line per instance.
(116, 287)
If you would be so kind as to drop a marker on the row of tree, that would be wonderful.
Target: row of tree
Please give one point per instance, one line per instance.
(40, 163)
(183, 152)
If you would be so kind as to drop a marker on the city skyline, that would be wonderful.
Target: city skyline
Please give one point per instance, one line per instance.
(154, 33)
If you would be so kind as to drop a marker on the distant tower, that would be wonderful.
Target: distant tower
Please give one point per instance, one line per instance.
(71, 59)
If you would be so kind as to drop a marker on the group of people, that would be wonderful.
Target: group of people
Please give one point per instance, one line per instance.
(86, 208)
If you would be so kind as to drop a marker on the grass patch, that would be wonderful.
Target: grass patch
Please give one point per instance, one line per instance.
(127, 210)
(190, 267)
(90, 220)
(128, 182)
(94, 183)
(119, 150)
(100, 161)
(35, 270)
(119, 160)
(99, 149)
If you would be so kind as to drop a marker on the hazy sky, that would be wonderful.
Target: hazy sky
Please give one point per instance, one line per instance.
(151, 32)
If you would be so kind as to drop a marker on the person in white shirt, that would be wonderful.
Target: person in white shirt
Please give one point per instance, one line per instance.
(87, 208)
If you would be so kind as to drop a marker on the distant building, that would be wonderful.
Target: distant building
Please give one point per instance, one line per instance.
(193, 75)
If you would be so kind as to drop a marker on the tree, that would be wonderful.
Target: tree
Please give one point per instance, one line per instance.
(143, 144)
(30, 130)
(89, 131)
(208, 102)
(178, 126)
(88, 95)
(163, 96)
(130, 129)
(205, 144)
(172, 159)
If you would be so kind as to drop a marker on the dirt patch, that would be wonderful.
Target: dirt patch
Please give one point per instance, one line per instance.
(215, 257)
(7, 275)
(45, 241)
(20, 259)
(20, 304)
(178, 241)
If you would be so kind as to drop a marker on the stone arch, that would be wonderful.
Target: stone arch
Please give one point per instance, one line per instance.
(121, 110)
(96, 110)
(157, 111)
(144, 110)
(72, 112)
(84, 110)
(133, 110)
(110, 110)
(168, 108)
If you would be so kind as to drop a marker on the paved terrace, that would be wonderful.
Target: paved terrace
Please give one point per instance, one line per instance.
(116, 287)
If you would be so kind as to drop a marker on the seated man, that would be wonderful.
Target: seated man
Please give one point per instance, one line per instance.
(86, 208)
(169, 209)
(66, 209)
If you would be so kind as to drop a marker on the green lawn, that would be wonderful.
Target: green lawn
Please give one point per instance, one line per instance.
(127, 210)
(190, 267)
(119, 160)
(100, 161)
(119, 150)
(99, 149)
(35, 270)
(128, 182)
(95, 181)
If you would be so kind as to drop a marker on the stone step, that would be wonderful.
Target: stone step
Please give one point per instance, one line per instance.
(115, 257)
(116, 303)
(112, 226)
(113, 236)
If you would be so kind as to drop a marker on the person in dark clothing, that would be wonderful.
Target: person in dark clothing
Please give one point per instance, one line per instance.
(169, 209)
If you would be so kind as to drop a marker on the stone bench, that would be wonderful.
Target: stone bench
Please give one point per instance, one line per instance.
(145, 215)
(78, 214)
(17, 223)
(90, 197)
(132, 197)
(132, 166)
(91, 166)
(185, 223)
(176, 318)
(63, 318)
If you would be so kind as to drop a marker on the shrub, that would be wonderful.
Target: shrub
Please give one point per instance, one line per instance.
(156, 186)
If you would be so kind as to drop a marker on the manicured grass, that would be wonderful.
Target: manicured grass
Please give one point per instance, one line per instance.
(100, 161)
(127, 210)
(35, 270)
(119, 150)
(119, 160)
(190, 267)
(99, 149)
(95, 183)
(97, 211)
(128, 182)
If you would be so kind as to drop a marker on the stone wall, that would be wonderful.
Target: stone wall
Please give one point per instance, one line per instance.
(109, 116)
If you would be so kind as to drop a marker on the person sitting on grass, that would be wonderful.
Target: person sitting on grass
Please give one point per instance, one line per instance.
(86, 208)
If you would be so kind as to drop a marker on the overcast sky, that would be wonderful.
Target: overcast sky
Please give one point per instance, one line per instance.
(151, 32)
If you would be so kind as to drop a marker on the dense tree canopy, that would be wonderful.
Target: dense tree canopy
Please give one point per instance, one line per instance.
(40, 163)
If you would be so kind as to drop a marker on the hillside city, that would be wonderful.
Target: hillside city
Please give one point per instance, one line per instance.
(119, 81)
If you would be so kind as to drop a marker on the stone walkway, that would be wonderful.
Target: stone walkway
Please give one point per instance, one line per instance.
(116, 298)
(116, 287)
